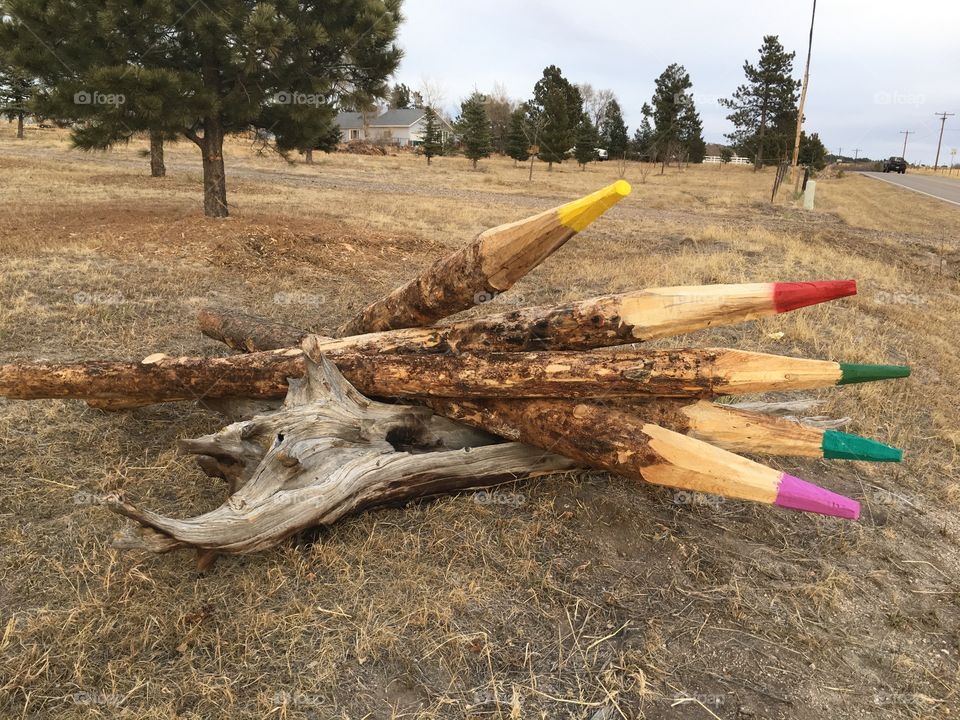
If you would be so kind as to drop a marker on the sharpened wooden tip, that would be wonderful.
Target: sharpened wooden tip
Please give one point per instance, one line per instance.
(578, 214)
(854, 373)
(844, 446)
(798, 494)
(793, 295)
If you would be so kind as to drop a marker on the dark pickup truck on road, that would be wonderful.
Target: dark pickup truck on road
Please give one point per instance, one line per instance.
(895, 164)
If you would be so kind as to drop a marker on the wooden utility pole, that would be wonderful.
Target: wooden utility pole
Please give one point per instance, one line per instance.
(943, 121)
(803, 99)
(906, 135)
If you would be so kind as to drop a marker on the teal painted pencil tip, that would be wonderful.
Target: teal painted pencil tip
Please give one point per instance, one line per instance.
(843, 446)
(852, 373)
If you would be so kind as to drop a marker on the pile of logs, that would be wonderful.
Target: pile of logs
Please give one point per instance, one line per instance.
(476, 402)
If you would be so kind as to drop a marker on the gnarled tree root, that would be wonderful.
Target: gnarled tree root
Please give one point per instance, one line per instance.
(327, 453)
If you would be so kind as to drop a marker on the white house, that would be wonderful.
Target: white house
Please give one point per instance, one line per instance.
(394, 127)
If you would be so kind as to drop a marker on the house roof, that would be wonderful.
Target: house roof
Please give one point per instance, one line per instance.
(399, 118)
(349, 120)
(391, 118)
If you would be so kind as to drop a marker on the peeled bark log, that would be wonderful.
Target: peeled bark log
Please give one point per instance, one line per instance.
(598, 322)
(665, 373)
(478, 272)
(622, 443)
(248, 333)
(329, 453)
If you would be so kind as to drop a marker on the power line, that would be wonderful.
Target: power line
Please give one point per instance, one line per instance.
(943, 121)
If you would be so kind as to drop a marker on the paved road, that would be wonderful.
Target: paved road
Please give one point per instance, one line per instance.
(946, 189)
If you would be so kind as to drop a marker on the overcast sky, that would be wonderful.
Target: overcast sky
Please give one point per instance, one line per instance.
(878, 67)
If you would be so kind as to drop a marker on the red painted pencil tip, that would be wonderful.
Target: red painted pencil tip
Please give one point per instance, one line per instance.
(798, 494)
(792, 295)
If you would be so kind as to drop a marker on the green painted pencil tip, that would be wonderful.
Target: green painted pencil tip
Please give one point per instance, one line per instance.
(843, 446)
(853, 373)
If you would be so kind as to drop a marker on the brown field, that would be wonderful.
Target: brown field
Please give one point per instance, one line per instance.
(578, 597)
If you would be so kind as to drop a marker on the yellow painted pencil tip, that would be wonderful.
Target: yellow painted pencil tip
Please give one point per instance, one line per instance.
(580, 213)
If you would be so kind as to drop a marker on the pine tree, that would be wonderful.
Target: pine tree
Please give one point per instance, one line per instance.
(557, 108)
(614, 130)
(432, 137)
(813, 153)
(201, 70)
(587, 138)
(643, 138)
(691, 133)
(400, 97)
(474, 125)
(518, 144)
(16, 90)
(765, 107)
(674, 115)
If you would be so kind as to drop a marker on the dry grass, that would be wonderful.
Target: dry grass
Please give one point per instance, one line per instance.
(592, 597)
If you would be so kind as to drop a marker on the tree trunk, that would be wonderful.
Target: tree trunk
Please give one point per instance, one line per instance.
(308, 156)
(157, 166)
(604, 321)
(248, 333)
(328, 453)
(20, 126)
(641, 373)
(214, 175)
(479, 271)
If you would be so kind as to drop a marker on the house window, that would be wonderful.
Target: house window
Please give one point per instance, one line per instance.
(354, 134)
(386, 134)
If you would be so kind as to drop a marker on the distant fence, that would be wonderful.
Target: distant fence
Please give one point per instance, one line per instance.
(734, 160)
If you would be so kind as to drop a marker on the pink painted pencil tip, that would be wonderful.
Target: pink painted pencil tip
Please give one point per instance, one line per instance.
(798, 494)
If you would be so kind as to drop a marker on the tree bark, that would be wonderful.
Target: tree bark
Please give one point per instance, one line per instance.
(308, 156)
(157, 166)
(20, 135)
(248, 333)
(214, 174)
(329, 453)
(664, 373)
(489, 265)
(604, 321)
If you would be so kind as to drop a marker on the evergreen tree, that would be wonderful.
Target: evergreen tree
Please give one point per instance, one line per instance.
(765, 107)
(813, 153)
(674, 115)
(400, 97)
(614, 130)
(16, 90)
(201, 70)
(518, 144)
(642, 144)
(432, 136)
(474, 126)
(556, 108)
(691, 134)
(587, 138)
